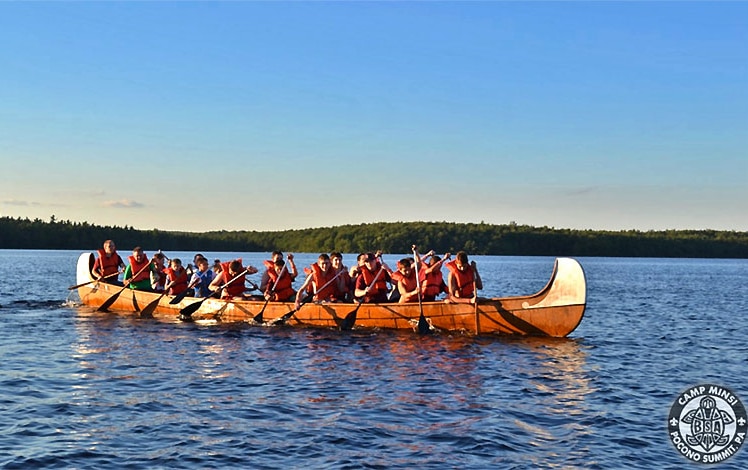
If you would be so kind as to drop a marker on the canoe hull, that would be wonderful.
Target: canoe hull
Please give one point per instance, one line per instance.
(554, 311)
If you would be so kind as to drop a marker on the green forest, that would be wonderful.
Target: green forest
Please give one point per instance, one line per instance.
(390, 237)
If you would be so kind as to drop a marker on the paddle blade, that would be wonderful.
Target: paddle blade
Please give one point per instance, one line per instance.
(187, 311)
(108, 302)
(423, 325)
(258, 318)
(350, 319)
(147, 312)
(282, 320)
(179, 297)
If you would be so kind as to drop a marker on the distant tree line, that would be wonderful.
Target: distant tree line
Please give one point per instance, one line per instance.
(390, 237)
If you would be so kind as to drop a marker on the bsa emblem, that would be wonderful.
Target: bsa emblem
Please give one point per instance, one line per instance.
(707, 423)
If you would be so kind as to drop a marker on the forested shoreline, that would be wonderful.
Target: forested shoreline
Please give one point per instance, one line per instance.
(390, 237)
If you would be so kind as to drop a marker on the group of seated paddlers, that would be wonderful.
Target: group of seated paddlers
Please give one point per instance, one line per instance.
(327, 280)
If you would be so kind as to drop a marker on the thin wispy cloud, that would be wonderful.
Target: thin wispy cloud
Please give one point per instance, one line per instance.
(123, 204)
(584, 191)
(16, 202)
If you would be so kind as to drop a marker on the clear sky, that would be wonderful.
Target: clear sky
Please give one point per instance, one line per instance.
(230, 115)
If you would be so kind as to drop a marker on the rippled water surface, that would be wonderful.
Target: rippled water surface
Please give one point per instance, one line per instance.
(89, 390)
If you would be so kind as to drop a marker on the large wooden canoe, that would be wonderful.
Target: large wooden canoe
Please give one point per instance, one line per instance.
(554, 311)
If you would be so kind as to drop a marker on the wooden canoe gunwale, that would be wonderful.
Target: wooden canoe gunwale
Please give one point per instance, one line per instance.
(556, 310)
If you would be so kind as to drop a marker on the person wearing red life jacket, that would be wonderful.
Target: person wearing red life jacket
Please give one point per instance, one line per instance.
(321, 281)
(463, 280)
(279, 286)
(371, 284)
(138, 272)
(355, 271)
(231, 276)
(108, 263)
(270, 266)
(343, 292)
(405, 278)
(177, 277)
(430, 275)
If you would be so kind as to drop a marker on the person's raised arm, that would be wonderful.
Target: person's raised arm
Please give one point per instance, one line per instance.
(292, 267)
(438, 264)
(478, 280)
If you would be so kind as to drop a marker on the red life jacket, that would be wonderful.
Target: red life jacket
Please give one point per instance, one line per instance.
(432, 284)
(283, 289)
(320, 279)
(180, 281)
(137, 268)
(465, 280)
(379, 287)
(108, 264)
(409, 282)
(237, 286)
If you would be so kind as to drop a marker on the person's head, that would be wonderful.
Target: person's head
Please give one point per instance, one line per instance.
(461, 261)
(235, 267)
(109, 247)
(336, 259)
(276, 255)
(197, 258)
(217, 266)
(138, 254)
(176, 264)
(405, 266)
(370, 261)
(434, 259)
(278, 264)
(361, 258)
(202, 264)
(323, 260)
(159, 259)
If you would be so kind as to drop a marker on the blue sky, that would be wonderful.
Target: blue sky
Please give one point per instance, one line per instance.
(204, 116)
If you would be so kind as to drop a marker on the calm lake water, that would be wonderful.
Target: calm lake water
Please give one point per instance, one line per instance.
(89, 390)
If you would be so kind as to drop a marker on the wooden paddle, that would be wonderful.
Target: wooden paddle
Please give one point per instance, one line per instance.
(179, 297)
(186, 313)
(475, 301)
(350, 319)
(258, 318)
(147, 312)
(423, 325)
(94, 280)
(285, 317)
(108, 302)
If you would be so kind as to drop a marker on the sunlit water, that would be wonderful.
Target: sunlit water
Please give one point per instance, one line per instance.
(81, 389)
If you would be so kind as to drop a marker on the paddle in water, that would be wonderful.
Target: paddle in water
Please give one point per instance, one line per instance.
(350, 319)
(423, 324)
(258, 318)
(148, 310)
